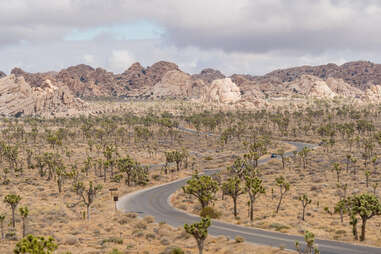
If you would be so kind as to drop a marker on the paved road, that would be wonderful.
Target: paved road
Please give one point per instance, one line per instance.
(154, 201)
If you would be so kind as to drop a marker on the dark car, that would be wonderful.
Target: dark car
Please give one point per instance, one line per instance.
(273, 155)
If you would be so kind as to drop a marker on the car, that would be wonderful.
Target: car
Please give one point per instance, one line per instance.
(273, 155)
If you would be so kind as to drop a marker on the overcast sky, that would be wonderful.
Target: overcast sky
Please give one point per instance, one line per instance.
(234, 36)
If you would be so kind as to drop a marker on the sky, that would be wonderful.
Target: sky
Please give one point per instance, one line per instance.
(233, 36)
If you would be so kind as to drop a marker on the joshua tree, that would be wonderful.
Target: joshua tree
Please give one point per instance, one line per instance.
(168, 159)
(233, 189)
(203, 188)
(12, 200)
(2, 218)
(35, 245)
(61, 174)
(284, 186)
(367, 174)
(199, 231)
(254, 187)
(280, 152)
(303, 154)
(178, 158)
(24, 211)
(341, 206)
(127, 166)
(348, 161)
(88, 195)
(366, 206)
(309, 238)
(337, 169)
(374, 187)
(353, 221)
(305, 202)
(240, 168)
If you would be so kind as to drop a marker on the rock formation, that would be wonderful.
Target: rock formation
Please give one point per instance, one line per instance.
(222, 91)
(359, 74)
(177, 84)
(85, 81)
(2, 74)
(355, 81)
(18, 98)
(208, 75)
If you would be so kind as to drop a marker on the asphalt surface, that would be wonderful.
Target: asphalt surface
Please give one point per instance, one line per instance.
(154, 201)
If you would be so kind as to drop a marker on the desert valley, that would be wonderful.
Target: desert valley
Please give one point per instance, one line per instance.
(288, 152)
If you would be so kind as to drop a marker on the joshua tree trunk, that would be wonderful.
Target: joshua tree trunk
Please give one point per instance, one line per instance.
(235, 207)
(13, 217)
(304, 211)
(362, 236)
(200, 245)
(88, 211)
(251, 208)
(280, 201)
(23, 227)
(2, 229)
(59, 182)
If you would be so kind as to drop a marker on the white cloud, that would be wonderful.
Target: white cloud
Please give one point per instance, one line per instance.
(120, 60)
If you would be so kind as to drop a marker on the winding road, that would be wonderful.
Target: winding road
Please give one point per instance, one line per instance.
(154, 201)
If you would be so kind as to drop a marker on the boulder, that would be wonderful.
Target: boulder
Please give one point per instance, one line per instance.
(223, 91)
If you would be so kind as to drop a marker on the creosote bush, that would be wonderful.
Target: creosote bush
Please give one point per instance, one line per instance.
(210, 212)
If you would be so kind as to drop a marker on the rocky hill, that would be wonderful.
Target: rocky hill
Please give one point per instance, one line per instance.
(359, 74)
(18, 98)
(85, 81)
(359, 81)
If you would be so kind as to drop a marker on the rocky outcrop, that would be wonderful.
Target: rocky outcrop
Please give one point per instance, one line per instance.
(177, 84)
(208, 75)
(18, 98)
(355, 80)
(2, 74)
(222, 91)
(34, 79)
(85, 81)
(359, 74)
(156, 71)
(310, 86)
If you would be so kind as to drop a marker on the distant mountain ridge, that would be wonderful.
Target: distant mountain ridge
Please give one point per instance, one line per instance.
(358, 81)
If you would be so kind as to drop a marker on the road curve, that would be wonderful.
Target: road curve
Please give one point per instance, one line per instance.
(154, 201)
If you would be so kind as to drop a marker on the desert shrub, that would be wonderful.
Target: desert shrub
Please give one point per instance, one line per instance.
(172, 250)
(115, 251)
(116, 240)
(150, 236)
(208, 158)
(141, 225)
(149, 219)
(340, 232)
(211, 212)
(239, 239)
(117, 178)
(156, 177)
(138, 233)
(278, 226)
(131, 215)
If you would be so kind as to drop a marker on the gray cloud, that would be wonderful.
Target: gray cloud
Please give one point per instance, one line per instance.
(252, 36)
